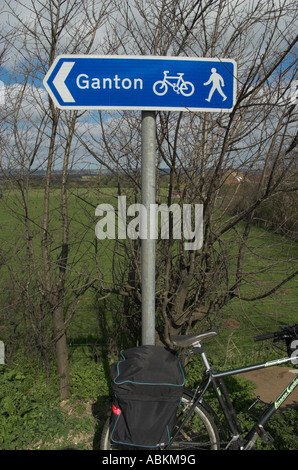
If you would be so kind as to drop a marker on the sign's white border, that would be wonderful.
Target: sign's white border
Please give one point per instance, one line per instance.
(141, 108)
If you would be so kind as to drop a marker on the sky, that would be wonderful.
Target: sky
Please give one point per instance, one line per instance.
(13, 73)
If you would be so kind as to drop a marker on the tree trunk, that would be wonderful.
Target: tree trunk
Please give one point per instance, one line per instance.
(61, 352)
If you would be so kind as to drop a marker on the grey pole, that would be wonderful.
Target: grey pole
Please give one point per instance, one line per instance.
(2, 353)
(148, 182)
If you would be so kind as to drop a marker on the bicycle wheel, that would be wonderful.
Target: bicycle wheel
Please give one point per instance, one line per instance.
(199, 432)
(105, 440)
(160, 88)
(107, 444)
(187, 89)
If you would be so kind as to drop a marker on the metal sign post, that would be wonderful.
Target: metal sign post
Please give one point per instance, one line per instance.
(2, 353)
(148, 184)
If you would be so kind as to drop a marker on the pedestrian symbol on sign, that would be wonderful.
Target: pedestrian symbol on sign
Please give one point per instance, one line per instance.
(217, 82)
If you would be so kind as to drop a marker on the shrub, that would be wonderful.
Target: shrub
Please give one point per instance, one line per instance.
(27, 409)
(31, 415)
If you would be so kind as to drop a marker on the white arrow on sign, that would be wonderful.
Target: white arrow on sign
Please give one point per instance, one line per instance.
(59, 82)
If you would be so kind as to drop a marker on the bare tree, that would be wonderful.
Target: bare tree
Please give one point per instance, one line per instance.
(43, 135)
(255, 147)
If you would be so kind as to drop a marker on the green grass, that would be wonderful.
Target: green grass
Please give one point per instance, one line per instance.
(266, 256)
(31, 415)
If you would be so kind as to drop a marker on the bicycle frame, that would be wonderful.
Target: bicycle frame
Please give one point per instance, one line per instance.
(216, 380)
(179, 79)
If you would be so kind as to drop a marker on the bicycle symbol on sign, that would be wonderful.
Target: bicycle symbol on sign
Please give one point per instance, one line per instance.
(161, 87)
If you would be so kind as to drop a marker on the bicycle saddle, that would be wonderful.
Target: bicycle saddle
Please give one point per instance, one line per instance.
(188, 340)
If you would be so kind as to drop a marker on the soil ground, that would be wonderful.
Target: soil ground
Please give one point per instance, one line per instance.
(271, 382)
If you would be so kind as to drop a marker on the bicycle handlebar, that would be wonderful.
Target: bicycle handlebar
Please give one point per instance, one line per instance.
(264, 337)
(287, 332)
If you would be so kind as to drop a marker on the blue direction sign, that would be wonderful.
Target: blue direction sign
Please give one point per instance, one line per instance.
(142, 82)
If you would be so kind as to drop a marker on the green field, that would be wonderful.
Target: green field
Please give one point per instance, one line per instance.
(32, 416)
(238, 322)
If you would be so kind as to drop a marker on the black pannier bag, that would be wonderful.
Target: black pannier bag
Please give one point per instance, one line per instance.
(148, 384)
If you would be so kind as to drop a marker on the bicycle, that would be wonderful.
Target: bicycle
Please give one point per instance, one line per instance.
(161, 87)
(198, 426)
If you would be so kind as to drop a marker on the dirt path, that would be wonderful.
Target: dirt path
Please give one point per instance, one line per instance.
(271, 382)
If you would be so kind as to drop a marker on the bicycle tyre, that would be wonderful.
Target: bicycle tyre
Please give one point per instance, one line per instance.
(199, 432)
(160, 88)
(187, 89)
(105, 441)
(107, 444)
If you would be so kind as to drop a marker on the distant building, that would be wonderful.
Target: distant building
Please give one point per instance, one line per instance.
(233, 177)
